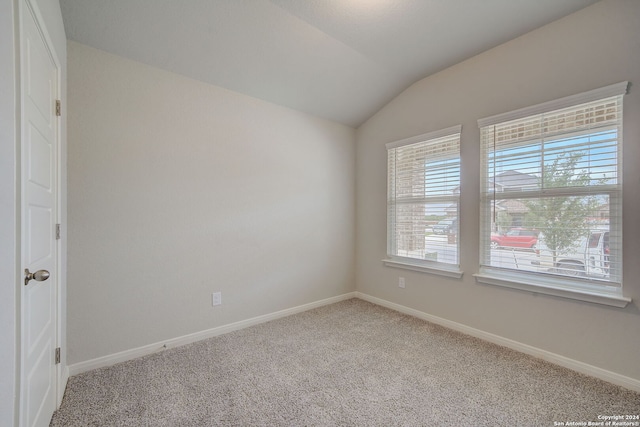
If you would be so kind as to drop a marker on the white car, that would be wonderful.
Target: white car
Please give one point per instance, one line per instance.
(588, 257)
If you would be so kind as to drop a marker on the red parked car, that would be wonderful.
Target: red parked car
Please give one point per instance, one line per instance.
(515, 238)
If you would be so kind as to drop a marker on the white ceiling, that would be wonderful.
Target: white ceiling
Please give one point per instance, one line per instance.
(338, 59)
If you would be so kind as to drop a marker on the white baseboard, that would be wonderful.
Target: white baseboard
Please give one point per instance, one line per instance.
(123, 356)
(574, 365)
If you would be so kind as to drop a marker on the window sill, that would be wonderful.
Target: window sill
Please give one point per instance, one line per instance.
(436, 269)
(550, 287)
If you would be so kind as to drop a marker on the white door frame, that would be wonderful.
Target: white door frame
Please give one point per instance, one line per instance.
(61, 371)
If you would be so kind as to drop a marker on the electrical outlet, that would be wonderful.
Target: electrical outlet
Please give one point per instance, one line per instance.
(401, 282)
(216, 298)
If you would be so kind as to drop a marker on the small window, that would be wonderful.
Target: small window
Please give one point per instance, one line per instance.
(423, 202)
(556, 169)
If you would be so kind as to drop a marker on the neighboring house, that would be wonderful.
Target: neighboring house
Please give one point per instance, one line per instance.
(513, 181)
(510, 180)
(451, 210)
(514, 208)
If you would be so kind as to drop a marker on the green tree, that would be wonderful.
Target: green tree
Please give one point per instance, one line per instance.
(562, 219)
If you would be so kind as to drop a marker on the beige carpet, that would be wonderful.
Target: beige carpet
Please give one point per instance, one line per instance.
(348, 364)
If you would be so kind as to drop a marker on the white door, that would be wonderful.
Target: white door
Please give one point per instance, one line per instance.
(39, 130)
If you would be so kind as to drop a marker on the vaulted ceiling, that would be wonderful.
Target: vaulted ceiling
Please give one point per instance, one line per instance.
(338, 59)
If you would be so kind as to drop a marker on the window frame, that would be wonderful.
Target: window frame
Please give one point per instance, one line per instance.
(544, 283)
(416, 264)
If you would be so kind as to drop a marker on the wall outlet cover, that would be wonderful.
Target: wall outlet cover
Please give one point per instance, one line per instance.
(216, 298)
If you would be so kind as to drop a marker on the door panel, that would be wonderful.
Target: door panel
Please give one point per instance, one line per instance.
(39, 89)
(39, 75)
(38, 308)
(39, 223)
(39, 169)
(40, 388)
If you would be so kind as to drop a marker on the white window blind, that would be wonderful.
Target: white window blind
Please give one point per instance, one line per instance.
(423, 196)
(551, 194)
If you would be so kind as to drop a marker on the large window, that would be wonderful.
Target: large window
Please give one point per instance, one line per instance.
(551, 188)
(423, 195)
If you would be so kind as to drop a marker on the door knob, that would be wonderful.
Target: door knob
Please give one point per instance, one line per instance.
(38, 276)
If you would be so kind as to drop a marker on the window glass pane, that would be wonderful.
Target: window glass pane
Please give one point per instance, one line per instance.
(551, 194)
(575, 161)
(423, 194)
(426, 231)
(566, 236)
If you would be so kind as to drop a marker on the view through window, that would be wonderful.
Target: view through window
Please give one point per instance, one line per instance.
(551, 194)
(423, 195)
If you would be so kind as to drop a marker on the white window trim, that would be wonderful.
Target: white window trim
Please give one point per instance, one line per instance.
(601, 294)
(553, 286)
(425, 266)
(430, 267)
(425, 136)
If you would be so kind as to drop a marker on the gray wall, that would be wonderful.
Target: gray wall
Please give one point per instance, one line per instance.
(594, 47)
(179, 189)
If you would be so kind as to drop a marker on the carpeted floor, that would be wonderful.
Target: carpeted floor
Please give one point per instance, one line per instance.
(347, 364)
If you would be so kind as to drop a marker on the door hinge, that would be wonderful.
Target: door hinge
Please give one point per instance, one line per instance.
(57, 231)
(58, 108)
(57, 355)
